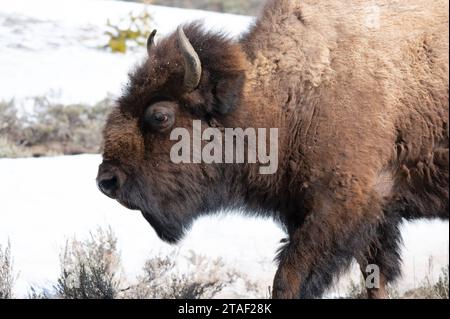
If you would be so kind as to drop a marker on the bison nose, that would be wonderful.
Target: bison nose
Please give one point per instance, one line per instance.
(108, 185)
(109, 180)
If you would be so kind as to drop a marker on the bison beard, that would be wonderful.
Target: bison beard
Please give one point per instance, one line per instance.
(138, 196)
(359, 95)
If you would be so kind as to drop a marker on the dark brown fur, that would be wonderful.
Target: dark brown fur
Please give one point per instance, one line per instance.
(362, 111)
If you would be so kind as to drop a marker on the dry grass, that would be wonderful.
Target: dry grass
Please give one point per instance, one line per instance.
(427, 289)
(430, 289)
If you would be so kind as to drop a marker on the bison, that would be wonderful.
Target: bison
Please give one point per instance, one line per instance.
(358, 91)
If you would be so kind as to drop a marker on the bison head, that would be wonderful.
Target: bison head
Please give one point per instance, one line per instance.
(190, 75)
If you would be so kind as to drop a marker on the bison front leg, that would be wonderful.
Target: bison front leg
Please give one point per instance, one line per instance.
(322, 247)
(379, 292)
(384, 254)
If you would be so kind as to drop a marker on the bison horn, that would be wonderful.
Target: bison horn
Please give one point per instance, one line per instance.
(151, 42)
(192, 64)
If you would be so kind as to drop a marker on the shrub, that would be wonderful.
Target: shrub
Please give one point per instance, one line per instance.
(39, 293)
(441, 287)
(129, 32)
(90, 268)
(52, 128)
(357, 290)
(430, 290)
(6, 273)
(11, 150)
(76, 128)
(426, 290)
(162, 281)
(9, 120)
(204, 279)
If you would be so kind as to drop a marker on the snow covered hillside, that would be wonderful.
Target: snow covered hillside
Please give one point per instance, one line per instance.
(50, 47)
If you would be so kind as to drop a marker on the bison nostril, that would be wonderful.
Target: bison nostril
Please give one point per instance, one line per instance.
(109, 185)
(110, 179)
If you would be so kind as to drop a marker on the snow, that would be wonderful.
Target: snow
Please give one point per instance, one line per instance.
(50, 47)
(44, 201)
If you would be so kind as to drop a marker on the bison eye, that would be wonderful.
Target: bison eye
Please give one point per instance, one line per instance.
(159, 117)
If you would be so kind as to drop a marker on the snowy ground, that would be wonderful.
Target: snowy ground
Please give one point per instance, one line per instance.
(50, 47)
(46, 200)
(43, 201)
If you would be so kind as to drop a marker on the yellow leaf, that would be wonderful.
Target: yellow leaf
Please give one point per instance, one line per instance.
(118, 45)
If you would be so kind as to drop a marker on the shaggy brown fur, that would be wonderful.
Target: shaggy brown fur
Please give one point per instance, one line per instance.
(359, 92)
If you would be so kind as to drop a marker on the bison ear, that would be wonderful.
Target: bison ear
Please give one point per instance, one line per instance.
(228, 93)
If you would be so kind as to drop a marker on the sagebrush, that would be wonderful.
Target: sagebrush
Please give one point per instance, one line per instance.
(7, 277)
(90, 269)
(204, 279)
(51, 128)
(427, 288)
